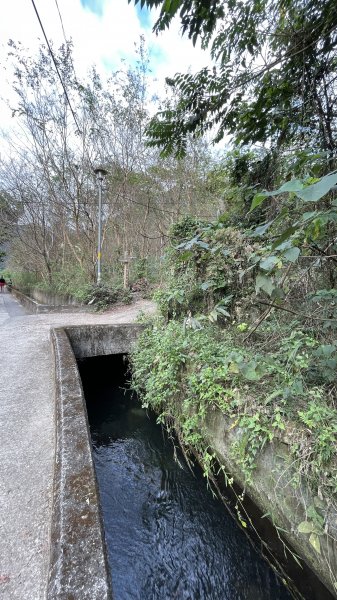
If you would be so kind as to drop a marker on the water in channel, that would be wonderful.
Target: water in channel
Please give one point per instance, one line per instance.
(167, 537)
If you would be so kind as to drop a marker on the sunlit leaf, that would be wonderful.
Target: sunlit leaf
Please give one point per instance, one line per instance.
(206, 285)
(284, 236)
(185, 256)
(305, 527)
(222, 311)
(258, 199)
(307, 216)
(261, 230)
(249, 372)
(278, 294)
(319, 503)
(314, 541)
(294, 185)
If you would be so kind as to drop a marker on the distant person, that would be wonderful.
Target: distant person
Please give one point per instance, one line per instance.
(2, 284)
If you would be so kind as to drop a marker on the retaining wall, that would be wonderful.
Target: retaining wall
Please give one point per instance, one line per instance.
(50, 299)
(35, 306)
(32, 305)
(100, 340)
(272, 490)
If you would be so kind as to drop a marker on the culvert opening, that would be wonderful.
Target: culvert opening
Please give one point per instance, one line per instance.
(167, 536)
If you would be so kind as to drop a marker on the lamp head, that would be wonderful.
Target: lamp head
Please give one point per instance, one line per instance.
(100, 172)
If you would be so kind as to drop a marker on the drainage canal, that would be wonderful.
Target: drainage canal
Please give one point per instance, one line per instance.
(167, 537)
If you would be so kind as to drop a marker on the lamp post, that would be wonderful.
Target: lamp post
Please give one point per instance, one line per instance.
(100, 173)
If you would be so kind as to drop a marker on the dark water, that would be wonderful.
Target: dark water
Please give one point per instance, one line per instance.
(167, 537)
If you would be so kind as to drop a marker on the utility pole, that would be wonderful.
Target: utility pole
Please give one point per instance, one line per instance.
(100, 173)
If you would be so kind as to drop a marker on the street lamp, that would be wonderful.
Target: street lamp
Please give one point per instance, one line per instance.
(100, 173)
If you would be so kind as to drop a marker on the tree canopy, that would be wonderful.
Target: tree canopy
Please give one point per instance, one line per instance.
(273, 77)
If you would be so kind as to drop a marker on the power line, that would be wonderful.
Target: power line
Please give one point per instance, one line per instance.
(170, 212)
(130, 199)
(162, 210)
(65, 39)
(76, 79)
(59, 12)
(55, 64)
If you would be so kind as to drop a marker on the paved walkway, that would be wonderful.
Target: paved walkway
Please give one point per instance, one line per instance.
(27, 440)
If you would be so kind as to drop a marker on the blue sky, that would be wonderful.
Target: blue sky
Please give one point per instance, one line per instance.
(144, 17)
(96, 6)
(146, 20)
(103, 32)
(143, 14)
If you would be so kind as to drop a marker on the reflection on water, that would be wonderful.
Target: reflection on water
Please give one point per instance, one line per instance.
(167, 537)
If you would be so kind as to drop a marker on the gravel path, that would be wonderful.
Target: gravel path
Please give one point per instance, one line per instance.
(27, 440)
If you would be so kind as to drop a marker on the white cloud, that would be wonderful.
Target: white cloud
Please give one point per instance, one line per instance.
(101, 40)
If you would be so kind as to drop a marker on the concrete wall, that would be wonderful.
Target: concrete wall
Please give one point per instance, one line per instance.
(100, 340)
(35, 306)
(43, 297)
(31, 305)
(273, 493)
(78, 563)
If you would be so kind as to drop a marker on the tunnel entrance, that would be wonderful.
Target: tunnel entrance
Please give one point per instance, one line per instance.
(167, 536)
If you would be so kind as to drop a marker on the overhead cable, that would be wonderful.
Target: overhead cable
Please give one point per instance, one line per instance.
(55, 64)
(59, 12)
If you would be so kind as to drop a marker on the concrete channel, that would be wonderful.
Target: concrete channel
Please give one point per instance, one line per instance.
(78, 566)
(52, 542)
(30, 452)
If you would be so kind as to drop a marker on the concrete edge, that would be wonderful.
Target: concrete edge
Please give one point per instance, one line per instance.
(31, 304)
(78, 562)
(35, 307)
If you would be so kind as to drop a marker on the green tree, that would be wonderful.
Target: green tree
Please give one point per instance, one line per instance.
(274, 74)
